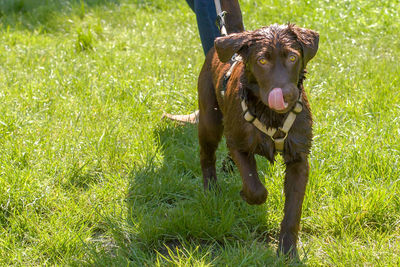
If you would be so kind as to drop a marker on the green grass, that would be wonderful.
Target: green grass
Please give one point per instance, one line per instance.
(89, 174)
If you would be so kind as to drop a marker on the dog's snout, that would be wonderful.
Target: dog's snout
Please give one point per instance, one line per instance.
(289, 93)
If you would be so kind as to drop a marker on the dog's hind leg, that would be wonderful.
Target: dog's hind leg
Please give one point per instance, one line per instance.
(210, 128)
(210, 133)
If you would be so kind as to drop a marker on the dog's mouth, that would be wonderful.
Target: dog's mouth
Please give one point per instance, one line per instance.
(275, 100)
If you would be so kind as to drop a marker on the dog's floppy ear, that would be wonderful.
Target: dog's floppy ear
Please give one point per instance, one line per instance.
(309, 40)
(227, 46)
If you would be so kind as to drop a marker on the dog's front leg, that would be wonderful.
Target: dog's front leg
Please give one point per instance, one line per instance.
(253, 191)
(295, 186)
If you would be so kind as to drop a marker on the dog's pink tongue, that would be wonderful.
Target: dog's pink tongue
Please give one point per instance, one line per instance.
(275, 99)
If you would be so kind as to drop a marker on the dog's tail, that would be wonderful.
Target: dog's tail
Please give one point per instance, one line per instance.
(192, 118)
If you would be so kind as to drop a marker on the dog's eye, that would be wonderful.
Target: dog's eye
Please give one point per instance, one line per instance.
(262, 61)
(292, 58)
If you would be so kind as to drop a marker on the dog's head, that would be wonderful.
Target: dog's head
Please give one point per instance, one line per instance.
(275, 58)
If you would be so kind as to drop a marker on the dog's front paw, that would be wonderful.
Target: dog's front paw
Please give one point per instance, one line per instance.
(254, 197)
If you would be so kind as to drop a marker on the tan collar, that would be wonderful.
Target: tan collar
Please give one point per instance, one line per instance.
(287, 124)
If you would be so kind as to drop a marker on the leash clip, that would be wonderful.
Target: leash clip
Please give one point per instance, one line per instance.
(221, 23)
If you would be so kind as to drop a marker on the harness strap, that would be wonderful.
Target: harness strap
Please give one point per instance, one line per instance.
(287, 124)
(220, 18)
(291, 117)
(256, 122)
(235, 59)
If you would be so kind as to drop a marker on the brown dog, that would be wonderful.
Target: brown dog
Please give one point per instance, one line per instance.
(269, 80)
(261, 107)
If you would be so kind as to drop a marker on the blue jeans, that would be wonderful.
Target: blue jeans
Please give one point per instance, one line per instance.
(206, 16)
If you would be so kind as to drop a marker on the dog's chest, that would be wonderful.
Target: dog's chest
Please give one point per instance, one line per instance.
(243, 136)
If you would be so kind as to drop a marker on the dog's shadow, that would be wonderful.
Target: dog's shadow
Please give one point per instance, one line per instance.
(167, 205)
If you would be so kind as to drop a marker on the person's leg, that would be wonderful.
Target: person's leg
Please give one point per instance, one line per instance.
(206, 16)
(191, 4)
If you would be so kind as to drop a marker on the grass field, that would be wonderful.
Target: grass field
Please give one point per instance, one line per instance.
(90, 175)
